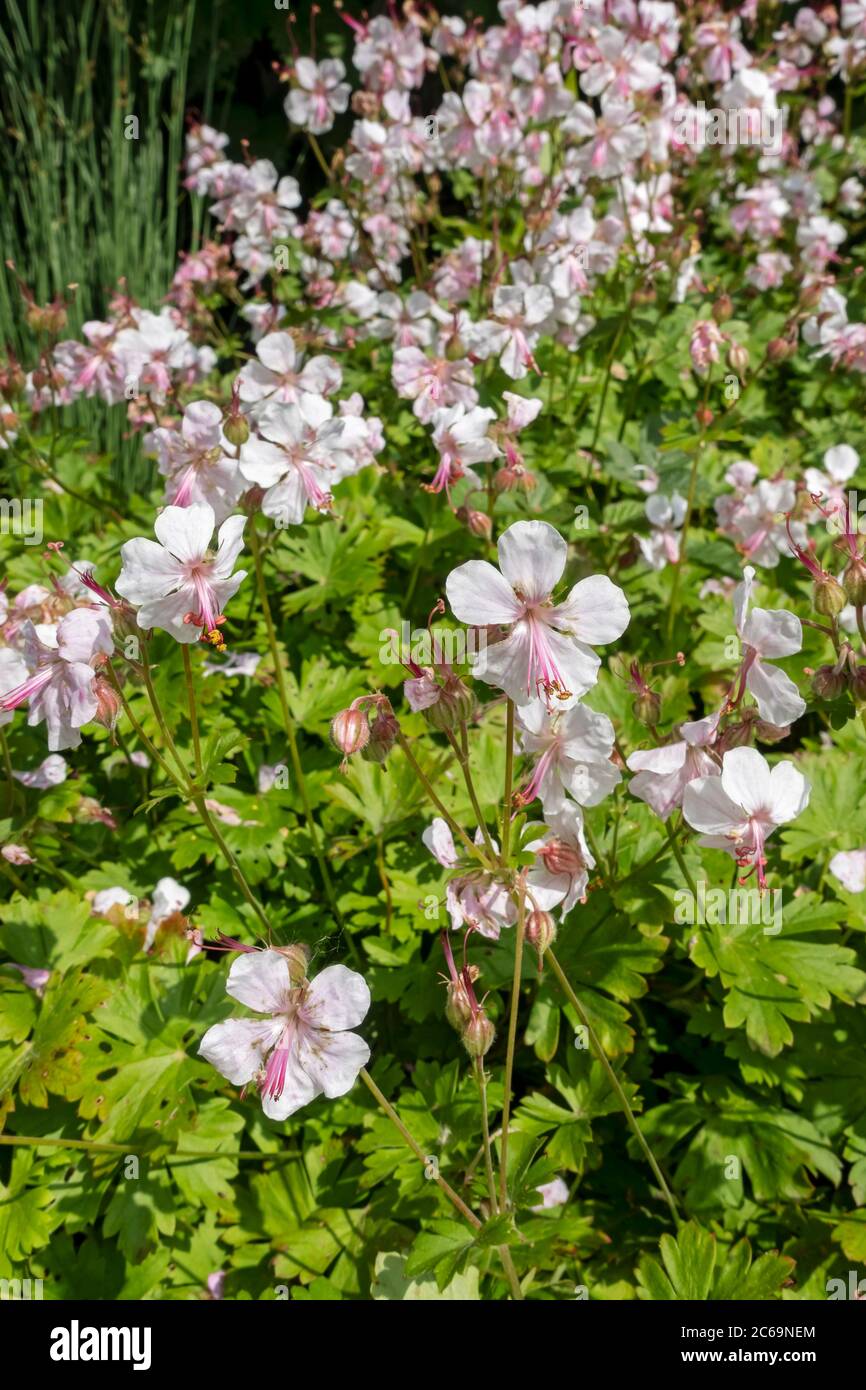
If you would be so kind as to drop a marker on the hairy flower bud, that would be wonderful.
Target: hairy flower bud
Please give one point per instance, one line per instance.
(298, 957)
(723, 309)
(858, 685)
(455, 348)
(738, 358)
(647, 708)
(236, 429)
(780, 349)
(350, 731)
(771, 733)
(540, 932)
(854, 581)
(828, 596)
(108, 702)
(478, 1034)
(383, 735)
(828, 683)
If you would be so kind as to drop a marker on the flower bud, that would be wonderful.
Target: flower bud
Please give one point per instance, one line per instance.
(771, 733)
(478, 523)
(107, 702)
(810, 297)
(540, 932)
(647, 707)
(828, 683)
(780, 349)
(858, 685)
(736, 735)
(458, 1009)
(704, 416)
(854, 581)
(723, 309)
(383, 735)
(738, 358)
(828, 596)
(514, 476)
(350, 731)
(455, 348)
(298, 957)
(237, 429)
(478, 1034)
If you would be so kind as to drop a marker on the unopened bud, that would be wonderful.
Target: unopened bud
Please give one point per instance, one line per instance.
(704, 416)
(350, 731)
(540, 932)
(478, 1034)
(647, 708)
(107, 702)
(810, 297)
(854, 581)
(514, 476)
(828, 596)
(383, 735)
(738, 358)
(455, 348)
(298, 957)
(771, 733)
(780, 349)
(828, 683)
(723, 309)
(236, 429)
(478, 523)
(858, 685)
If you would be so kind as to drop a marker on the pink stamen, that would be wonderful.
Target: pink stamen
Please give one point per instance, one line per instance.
(32, 686)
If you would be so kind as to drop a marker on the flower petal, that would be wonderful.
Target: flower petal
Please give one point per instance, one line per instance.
(261, 980)
(337, 998)
(532, 557)
(596, 611)
(238, 1047)
(333, 1060)
(479, 595)
(185, 531)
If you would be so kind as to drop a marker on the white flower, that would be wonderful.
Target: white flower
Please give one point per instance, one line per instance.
(841, 463)
(50, 773)
(739, 810)
(475, 899)
(169, 897)
(61, 690)
(573, 748)
(849, 867)
(279, 377)
(299, 455)
(768, 632)
(321, 94)
(546, 650)
(563, 860)
(195, 461)
(178, 584)
(301, 1049)
(666, 515)
(461, 437)
(664, 773)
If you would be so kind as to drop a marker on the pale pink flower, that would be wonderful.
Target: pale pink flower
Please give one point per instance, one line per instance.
(841, 463)
(573, 750)
(849, 867)
(553, 1194)
(61, 690)
(474, 899)
(321, 94)
(520, 315)
(302, 1048)
(739, 810)
(51, 772)
(195, 461)
(545, 651)
(766, 632)
(17, 854)
(299, 455)
(664, 773)
(169, 897)
(281, 376)
(461, 437)
(559, 876)
(666, 515)
(176, 582)
(432, 382)
(704, 345)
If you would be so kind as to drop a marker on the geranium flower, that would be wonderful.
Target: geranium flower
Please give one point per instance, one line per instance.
(279, 376)
(767, 632)
(302, 1049)
(299, 455)
(573, 748)
(475, 899)
(177, 583)
(321, 94)
(545, 652)
(195, 461)
(560, 873)
(62, 689)
(739, 810)
(664, 773)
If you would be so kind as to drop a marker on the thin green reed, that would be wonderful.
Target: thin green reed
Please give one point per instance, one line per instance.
(83, 202)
